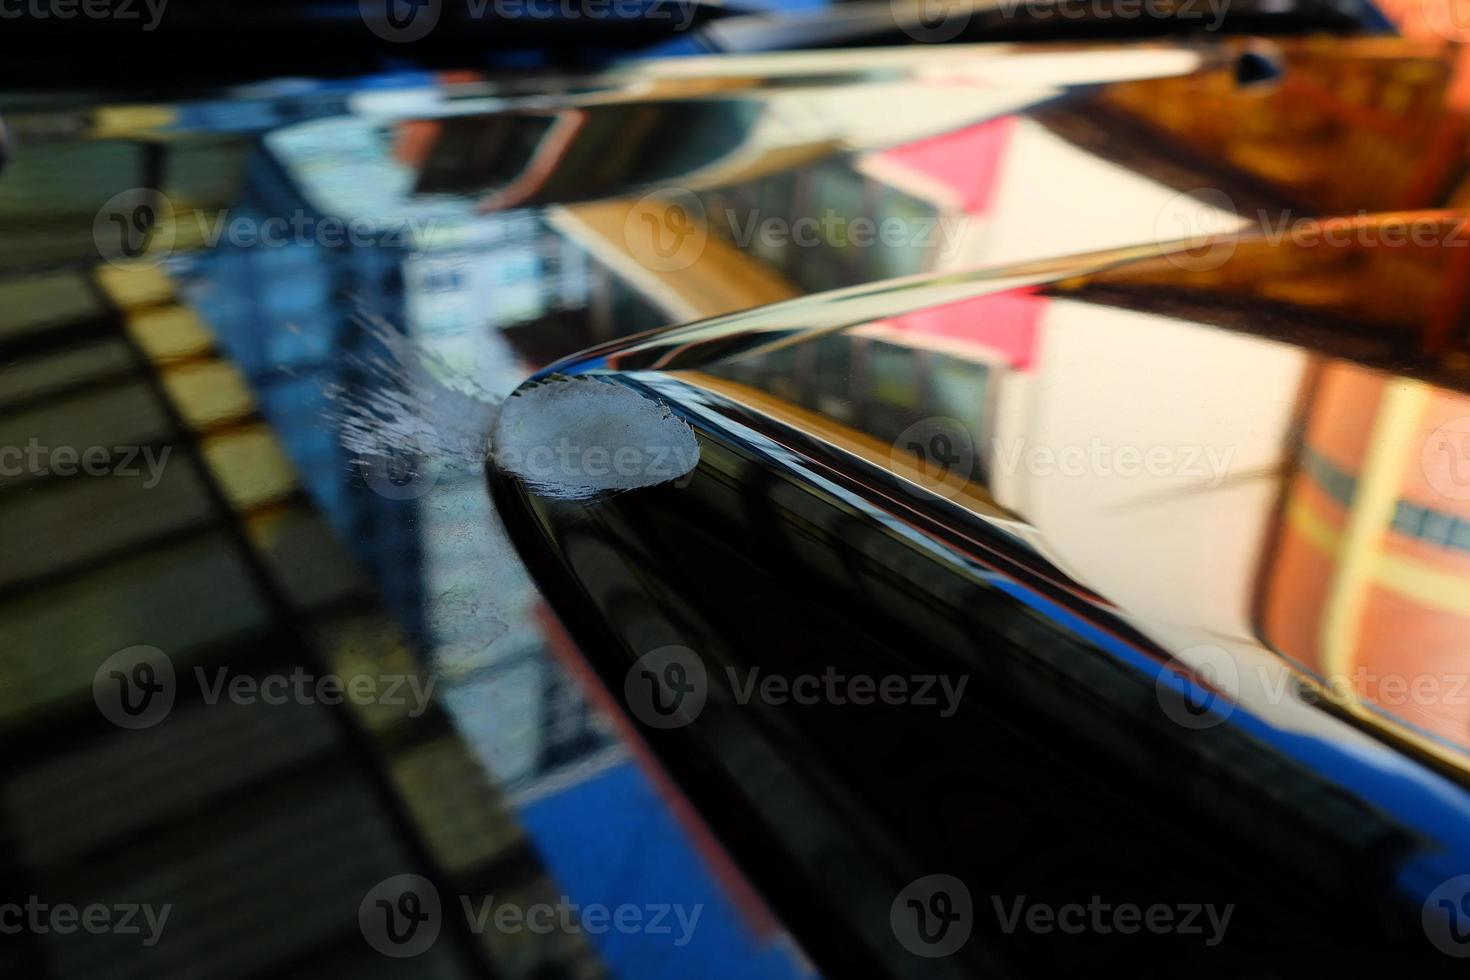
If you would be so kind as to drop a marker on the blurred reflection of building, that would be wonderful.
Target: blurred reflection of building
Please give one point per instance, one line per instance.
(1363, 571)
(1351, 126)
(1369, 584)
(1441, 24)
(452, 290)
(480, 298)
(260, 825)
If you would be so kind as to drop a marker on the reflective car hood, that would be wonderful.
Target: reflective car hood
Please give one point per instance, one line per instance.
(1123, 529)
(1193, 516)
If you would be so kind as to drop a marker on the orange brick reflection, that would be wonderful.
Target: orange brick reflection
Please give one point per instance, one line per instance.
(1443, 21)
(1378, 605)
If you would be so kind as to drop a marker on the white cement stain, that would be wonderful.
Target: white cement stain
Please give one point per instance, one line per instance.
(578, 438)
(412, 415)
(413, 403)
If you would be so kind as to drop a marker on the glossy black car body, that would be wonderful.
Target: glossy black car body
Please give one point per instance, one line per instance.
(977, 687)
(1086, 762)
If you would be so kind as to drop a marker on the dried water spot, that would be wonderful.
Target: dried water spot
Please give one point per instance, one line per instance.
(578, 438)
